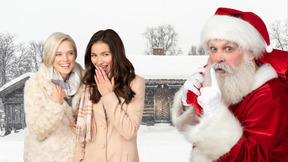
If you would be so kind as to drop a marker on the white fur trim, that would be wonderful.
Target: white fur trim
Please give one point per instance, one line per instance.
(177, 107)
(235, 30)
(269, 49)
(262, 75)
(200, 156)
(214, 137)
(181, 118)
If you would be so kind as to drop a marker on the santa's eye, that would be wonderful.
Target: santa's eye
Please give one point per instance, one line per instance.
(228, 48)
(213, 48)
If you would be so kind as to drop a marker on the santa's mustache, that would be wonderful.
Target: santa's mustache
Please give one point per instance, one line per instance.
(222, 66)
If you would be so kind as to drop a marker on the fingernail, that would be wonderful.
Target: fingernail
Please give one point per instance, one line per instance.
(95, 70)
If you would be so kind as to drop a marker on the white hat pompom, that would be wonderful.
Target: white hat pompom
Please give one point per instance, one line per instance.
(269, 49)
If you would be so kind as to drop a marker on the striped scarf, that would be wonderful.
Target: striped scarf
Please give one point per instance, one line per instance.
(70, 85)
(86, 126)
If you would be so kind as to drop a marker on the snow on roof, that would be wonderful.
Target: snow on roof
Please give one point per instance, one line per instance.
(166, 67)
(10, 83)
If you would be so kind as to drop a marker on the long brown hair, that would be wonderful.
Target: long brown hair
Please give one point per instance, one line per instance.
(122, 69)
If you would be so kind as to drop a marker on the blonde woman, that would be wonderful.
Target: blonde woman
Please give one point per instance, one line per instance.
(51, 99)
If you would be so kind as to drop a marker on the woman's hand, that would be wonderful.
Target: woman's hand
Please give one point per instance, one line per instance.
(104, 85)
(57, 95)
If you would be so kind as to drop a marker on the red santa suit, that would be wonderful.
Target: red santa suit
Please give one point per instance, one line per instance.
(255, 129)
(263, 115)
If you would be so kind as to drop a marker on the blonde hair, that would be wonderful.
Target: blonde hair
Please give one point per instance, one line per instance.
(51, 45)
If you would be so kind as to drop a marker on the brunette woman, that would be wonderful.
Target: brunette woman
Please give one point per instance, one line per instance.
(112, 103)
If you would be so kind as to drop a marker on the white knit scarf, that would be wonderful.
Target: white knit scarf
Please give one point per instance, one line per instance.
(86, 126)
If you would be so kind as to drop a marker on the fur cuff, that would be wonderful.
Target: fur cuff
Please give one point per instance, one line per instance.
(214, 137)
(180, 118)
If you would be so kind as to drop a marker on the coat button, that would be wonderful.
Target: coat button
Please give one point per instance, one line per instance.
(102, 146)
(102, 126)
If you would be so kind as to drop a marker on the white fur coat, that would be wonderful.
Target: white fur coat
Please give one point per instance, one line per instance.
(48, 136)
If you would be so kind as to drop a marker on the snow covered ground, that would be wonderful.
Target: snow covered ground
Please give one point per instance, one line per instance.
(159, 143)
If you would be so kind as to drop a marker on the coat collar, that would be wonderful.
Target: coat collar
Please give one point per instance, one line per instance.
(44, 79)
(262, 75)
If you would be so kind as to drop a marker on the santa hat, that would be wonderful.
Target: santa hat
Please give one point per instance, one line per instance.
(244, 28)
(249, 32)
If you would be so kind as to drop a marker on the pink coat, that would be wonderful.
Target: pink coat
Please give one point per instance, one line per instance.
(116, 131)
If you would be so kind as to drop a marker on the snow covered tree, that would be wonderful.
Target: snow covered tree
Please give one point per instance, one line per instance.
(279, 34)
(23, 62)
(197, 50)
(7, 55)
(29, 58)
(163, 36)
(17, 59)
(193, 50)
(200, 50)
(35, 50)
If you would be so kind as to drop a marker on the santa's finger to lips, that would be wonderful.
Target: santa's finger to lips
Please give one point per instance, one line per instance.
(213, 78)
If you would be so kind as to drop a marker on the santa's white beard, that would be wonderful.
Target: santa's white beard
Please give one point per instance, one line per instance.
(235, 83)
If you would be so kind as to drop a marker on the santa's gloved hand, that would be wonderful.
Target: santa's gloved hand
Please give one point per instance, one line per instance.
(210, 98)
(193, 83)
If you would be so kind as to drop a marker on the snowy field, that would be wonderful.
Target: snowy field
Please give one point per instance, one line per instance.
(159, 143)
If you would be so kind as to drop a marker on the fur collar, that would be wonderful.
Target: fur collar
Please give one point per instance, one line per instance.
(44, 82)
(262, 75)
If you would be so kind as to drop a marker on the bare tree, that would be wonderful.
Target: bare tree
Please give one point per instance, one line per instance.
(197, 50)
(23, 61)
(279, 34)
(7, 55)
(35, 53)
(163, 36)
(17, 59)
(200, 50)
(29, 57)
(192, 50)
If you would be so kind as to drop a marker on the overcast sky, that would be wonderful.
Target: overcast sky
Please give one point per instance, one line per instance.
(37, 19)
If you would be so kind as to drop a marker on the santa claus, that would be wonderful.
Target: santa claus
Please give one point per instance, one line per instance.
(236, 107)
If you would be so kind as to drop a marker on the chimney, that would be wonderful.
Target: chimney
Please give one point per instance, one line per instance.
(158, 51)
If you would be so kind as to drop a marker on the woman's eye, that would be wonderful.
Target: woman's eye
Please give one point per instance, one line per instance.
(106, 54)
(93, 55)
(71, 53)
(58, 54)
